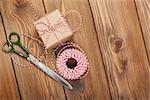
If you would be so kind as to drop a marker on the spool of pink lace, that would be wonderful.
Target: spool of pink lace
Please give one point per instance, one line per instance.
(72, 63)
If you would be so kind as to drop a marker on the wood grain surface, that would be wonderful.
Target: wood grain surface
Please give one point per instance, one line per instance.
(122, 48)
(144, 18)
(33, 84)
(8, 84)
(114, 34)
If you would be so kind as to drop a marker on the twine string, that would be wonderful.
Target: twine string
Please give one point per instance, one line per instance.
(49, 28)
(29, 64)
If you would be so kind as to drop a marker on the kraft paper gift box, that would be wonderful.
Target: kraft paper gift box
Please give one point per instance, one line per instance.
(52, 29)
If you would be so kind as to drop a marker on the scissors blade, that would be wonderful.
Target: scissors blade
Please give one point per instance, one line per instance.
(49, 72)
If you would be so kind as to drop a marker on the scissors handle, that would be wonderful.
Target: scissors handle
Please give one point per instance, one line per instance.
(14, 39)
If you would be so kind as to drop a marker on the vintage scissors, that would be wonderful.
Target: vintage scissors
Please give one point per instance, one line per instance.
(8, 47)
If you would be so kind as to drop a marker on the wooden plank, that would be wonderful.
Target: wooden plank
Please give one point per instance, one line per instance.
(144, 18)
(122, 48)
(19, 16)
(94, 86)
(8, 84)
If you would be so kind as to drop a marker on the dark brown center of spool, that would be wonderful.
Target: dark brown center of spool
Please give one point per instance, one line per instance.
(71, 63)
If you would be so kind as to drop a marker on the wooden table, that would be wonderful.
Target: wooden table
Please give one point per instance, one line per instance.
(115, 34)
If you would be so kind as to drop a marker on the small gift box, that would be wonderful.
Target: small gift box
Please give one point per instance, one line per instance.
(53, 29)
